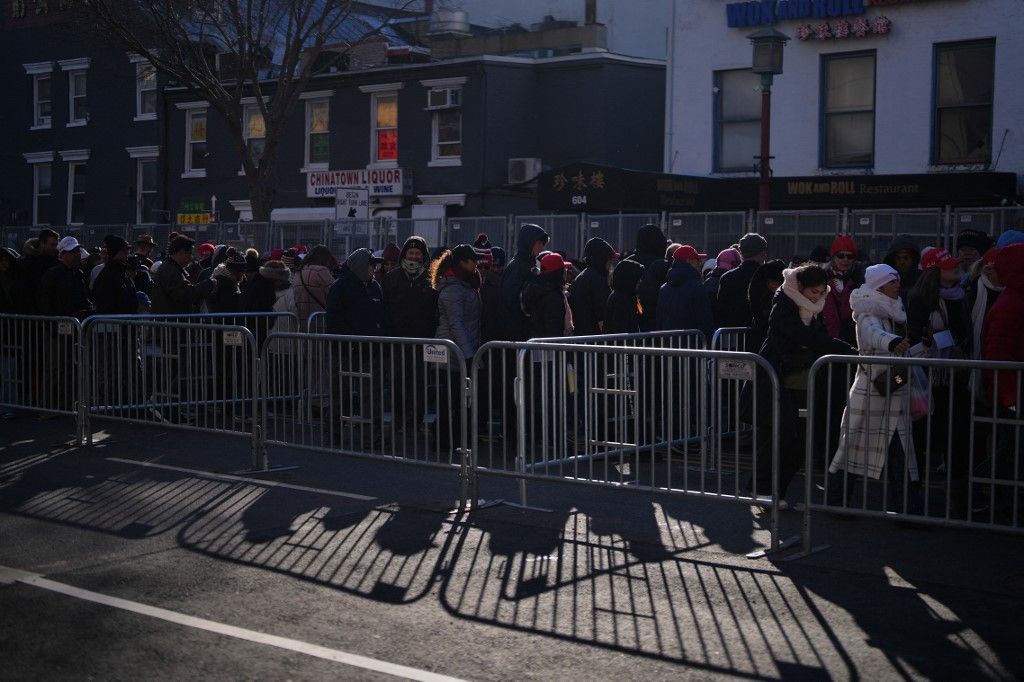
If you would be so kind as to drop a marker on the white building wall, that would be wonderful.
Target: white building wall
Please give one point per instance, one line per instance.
(704, 43)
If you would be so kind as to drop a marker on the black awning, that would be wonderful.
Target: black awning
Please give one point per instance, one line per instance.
(583, 187)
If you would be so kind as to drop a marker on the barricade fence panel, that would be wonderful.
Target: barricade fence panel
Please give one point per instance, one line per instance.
(619, 229)
(796, 233)
(259, 324)
(497, 228)
(875, 230)
(563, 230)
(400, 399)
(631, 417)
(40, 363)
(921, 439)
(186, 375)
(712, 232)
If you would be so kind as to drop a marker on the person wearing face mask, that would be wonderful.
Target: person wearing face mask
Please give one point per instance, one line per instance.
(410, 302)
(797, 337)
(937, 316)
(844, 277)
(875, 432)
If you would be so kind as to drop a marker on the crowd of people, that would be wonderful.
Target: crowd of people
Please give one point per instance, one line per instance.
(917, 301)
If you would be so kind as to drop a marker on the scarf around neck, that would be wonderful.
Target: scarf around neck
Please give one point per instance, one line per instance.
(808, 310)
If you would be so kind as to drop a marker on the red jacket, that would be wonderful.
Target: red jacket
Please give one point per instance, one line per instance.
(1001, 337)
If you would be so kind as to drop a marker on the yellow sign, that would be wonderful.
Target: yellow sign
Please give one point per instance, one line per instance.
(193, 218)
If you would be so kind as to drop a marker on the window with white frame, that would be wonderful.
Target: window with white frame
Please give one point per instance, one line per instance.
(78, 112)
(195, 142)
(446, 123)
(318, 138)
(42, 102)
(145, 190)
(76, 193)
(42, 193)
(737, 120)
(848, 110)
(384, 113)
(145, 91)
(255, 132)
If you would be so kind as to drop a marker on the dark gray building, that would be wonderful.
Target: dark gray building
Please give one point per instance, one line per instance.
(460, 137)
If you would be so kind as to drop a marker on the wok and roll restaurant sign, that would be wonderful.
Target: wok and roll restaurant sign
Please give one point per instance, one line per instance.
(588, 187)
(380, 182)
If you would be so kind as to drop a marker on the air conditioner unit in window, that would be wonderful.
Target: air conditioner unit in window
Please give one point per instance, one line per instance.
(444, 98)
(522, 170)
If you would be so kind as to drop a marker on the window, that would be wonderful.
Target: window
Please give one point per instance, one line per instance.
(42, 193)
(385, 128)
(41, 100)
(318, 142)
(447, 134)
(77, 112)
(848, 111)
(964, 81)
(737, 120)
(254, 131)
(145, 92)
(146, 191)
(195, 143)
(76, 193)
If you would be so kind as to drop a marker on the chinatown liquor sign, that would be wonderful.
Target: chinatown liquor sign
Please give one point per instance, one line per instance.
(380, 182)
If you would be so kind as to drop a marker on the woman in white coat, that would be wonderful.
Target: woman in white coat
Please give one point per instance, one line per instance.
(876, 432)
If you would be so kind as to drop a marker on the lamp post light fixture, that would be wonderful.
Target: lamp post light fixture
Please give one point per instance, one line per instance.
(768, 45)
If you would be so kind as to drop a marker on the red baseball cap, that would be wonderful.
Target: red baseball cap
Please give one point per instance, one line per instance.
(553, 262)
(934, 257)
(687, 252)
(205, 249)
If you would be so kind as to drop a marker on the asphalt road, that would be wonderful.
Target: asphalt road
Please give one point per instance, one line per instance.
(139, 558)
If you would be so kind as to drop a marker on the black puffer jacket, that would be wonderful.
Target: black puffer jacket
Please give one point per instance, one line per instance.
(410, 303)
(62, 293)
(588, 294)
(650, 253)
(544, 302)
(114, 291)
(518, 274)
(791, 345)
(733, 309)
(355, 306)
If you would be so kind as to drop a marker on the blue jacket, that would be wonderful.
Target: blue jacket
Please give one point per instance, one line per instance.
(354, 307)
(683, 303)
(518, 274)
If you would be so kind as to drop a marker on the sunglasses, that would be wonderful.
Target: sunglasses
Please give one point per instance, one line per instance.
(845, 255)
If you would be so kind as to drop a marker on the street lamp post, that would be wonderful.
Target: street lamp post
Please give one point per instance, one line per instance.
(768, 44)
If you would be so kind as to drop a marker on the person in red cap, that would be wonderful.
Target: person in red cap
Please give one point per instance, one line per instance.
(682, 302)
(937, 316)
(844, 276)
(545, 302)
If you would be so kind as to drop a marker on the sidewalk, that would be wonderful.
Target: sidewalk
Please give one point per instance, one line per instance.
(608, 584)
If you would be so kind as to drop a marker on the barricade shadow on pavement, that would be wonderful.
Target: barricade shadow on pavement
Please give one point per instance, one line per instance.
(656, 576)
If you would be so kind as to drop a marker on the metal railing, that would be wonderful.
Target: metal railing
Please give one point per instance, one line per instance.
(400, 399)
(675, 338)
(40, 363)
(927, 449)
(628, 417)
(183, 375)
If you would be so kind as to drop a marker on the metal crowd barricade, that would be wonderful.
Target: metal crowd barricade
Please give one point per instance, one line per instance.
(630, 417)
(260, 324)
(672, 338)
(183, 375)
(40, 363)
(966, 469)
(317, 322)
(710, 231)
(399, 399)
(732, 338)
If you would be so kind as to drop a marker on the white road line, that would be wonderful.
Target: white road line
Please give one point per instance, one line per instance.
(242, 479)
(10, 575)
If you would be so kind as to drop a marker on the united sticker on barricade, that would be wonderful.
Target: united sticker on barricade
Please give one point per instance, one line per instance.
(435, 353)
(735, 370)
(233, 339)
(64, 328)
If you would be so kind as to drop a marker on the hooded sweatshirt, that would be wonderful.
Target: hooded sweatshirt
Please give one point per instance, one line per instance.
(518, 274)
(650, 253)
(1001, 338)
(588, 294)
(904, 242)
(621, 314)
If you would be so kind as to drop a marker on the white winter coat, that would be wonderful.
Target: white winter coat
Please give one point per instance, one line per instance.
(869, 421)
